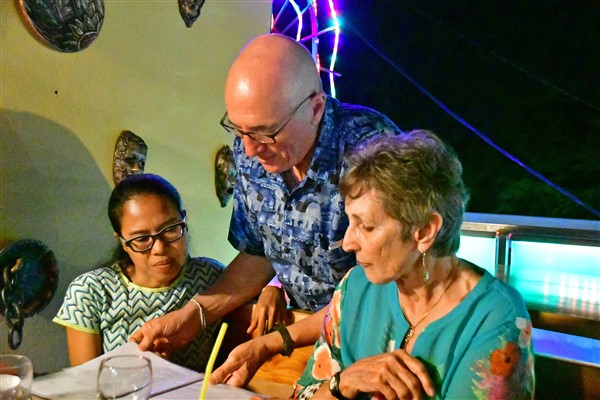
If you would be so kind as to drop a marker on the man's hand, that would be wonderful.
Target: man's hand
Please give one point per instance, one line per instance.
(270, 309)
(243, 361)
(170, 332)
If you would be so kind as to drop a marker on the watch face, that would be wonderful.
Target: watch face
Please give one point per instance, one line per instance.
(333, 384)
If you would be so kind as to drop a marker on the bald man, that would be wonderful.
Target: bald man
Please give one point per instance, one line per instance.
(288, 215)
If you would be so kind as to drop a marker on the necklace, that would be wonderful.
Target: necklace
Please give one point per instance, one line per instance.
(411, 328)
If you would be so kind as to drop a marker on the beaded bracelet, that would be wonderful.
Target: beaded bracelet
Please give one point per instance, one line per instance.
(201, 310)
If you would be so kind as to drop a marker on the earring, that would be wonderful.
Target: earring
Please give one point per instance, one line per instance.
(425, 270)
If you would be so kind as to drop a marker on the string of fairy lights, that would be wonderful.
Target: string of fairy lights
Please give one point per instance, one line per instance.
(296, 27)
(305, 18)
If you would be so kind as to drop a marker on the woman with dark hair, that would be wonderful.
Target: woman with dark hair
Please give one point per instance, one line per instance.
(150, 275)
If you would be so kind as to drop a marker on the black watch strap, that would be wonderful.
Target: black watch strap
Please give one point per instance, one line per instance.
(334, 386)
(288, 345)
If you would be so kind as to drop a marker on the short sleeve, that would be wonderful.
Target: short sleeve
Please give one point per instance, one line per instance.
(81, 306)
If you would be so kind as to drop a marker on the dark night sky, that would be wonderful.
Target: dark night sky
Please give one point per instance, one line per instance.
(524, 73)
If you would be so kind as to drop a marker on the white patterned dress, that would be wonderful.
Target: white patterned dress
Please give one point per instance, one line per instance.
(105, 302)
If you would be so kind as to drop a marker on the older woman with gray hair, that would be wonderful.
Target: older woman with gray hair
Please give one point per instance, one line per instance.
(413, 320)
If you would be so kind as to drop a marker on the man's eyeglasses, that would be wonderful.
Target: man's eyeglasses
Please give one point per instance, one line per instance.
(261, 137)
(167, 234)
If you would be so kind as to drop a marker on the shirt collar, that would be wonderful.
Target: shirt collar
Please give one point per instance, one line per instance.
(325, 158)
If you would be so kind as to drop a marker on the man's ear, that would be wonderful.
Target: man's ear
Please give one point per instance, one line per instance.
(318, 108)
(425, 237)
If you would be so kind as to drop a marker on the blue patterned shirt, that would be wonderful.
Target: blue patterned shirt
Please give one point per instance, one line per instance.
(297, 230)
(105, 302)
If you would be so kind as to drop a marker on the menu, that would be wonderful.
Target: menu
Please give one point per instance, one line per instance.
(80, 382)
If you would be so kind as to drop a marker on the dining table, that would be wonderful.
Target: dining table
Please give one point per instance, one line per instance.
(275, 378)
(257, 387)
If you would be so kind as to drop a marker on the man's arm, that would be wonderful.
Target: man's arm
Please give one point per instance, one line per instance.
(243, 279)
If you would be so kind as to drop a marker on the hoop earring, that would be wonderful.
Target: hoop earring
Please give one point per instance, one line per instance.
(425, 270)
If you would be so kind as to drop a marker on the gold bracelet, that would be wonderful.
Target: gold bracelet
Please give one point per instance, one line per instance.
(201, 310)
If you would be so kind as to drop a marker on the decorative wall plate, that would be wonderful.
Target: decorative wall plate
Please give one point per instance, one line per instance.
(28, 276)
(65, 25)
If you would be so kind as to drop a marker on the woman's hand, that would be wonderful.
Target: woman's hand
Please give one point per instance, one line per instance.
(394, 375)
(270, 309)
(243, 361)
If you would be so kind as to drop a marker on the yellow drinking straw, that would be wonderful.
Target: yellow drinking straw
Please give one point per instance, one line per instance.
(211, 360)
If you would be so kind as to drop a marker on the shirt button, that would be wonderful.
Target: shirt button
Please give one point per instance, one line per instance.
(288, 207)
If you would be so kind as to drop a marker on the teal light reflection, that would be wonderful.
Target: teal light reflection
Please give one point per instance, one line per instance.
(479, 250)
(557, 277)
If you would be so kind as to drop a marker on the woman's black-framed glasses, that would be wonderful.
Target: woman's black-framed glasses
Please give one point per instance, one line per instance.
(168, 234)
(261, 137)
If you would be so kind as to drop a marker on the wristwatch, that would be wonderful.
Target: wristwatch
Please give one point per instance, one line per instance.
(334, 386)
(288, 344)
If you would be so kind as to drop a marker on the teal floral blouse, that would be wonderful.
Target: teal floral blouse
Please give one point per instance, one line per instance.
(480, 350)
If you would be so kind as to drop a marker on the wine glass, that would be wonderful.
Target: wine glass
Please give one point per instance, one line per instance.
(125, 377)
(16, 375)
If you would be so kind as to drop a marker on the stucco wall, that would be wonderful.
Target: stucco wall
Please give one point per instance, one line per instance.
(61, 113)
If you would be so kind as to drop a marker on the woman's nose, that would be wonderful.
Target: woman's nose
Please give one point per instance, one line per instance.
(158, 246)
(348, 243)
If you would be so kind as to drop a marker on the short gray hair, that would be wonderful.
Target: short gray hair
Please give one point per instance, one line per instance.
(415, 174)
